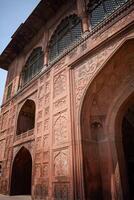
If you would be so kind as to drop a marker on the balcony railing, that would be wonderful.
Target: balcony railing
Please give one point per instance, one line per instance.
(24, 135)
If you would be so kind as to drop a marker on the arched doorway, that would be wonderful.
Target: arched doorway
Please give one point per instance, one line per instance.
(26, 118)
(21, 173)
(103, 152)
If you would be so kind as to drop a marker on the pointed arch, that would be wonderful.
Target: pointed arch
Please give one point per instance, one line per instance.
(98, 155)
(21, 173)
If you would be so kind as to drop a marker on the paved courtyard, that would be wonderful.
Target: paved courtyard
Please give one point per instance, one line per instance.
(3, 197)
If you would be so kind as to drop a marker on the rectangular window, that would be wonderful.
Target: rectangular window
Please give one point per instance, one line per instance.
(9, 91)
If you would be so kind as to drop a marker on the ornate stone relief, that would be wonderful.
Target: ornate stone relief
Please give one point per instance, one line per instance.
(47, 99)
(61, 191)
(45, 171)
(40, 115)
(88, 69)
(41, 191)
(39, 127)
(41, 92)
(45, 142)
(61, 164)
(47, 87)
(38, 143)
(37, 170)
(60, 104)
(5, 121)
(2, 149)
(38, 157)
(46, 112)
(60, 84)
(40, 103)
(46, 126)
(60, 130)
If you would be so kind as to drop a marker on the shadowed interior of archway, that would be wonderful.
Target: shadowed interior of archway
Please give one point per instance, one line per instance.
(128, 146)
(21, 173)
(26, 118)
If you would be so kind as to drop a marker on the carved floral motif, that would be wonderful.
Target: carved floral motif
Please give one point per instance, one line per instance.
(61, 164)
(60, 130)
(59, 84)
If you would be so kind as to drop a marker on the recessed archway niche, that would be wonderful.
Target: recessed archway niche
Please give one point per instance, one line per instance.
(21, 176)
(102, 180)
(26, 117)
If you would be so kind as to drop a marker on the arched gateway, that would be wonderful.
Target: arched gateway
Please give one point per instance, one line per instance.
(107, 129)
(21, 173)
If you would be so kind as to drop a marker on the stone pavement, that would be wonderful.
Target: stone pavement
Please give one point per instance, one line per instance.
(4, 197)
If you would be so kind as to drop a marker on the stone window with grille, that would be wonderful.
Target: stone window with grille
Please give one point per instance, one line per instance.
(68, 31)
(33, 65)
(100, 9)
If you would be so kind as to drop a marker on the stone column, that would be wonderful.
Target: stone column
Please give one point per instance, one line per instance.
(46, 57)
(82, 12)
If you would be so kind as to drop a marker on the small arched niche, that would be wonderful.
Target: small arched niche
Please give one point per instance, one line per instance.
(26, 117)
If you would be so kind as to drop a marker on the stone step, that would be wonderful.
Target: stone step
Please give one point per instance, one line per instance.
(5, 197)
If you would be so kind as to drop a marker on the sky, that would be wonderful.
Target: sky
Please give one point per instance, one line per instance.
(12, 14)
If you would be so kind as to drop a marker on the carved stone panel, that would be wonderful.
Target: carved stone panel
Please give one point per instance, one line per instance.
(2, 149)
(60, 84)
(37, 170)
(46, 126)
(39, 128)
(4, 121)
(61, 191)
(45, 171)
(45, 142)
(41, 191)
(60, 130)
(38, 143)
(60, 104)
(61, 164)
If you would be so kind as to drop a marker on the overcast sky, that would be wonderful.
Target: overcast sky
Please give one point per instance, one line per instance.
(12, 14)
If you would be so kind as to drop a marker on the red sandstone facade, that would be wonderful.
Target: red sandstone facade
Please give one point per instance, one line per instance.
(77, 145)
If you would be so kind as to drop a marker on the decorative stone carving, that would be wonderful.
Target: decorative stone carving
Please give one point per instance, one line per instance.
(60, 130)
(38, 157)
(2, 149)
(39, 127)
(37, 170)
(40, 115)
(45, 172)
(45, 142)
(61, 191)
(88, 69)
(61, 164)
(47, 99)
(46, 126)
(5, 121)
(38, 143)
(41, 191)
(46, 112)
(41, 91)
(60, 84)
(40, 103)
(47, 87)
(60, 104)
